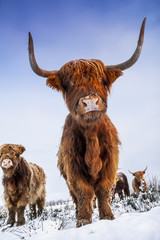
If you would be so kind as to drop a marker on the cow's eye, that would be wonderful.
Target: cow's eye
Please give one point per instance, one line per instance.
(103, 81)
(67, 85)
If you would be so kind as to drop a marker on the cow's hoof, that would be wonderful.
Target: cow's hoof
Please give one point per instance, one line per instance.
(10, 222)
(20, 224)
(109, 217)
(83, 222)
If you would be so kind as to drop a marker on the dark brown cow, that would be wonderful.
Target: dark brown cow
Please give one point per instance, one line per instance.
(24, 183)
(138, 182)
(121, 187)
(89, 151)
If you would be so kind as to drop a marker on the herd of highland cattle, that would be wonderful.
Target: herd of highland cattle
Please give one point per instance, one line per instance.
(88, 155)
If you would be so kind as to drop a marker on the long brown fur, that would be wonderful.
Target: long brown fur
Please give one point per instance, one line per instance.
(89, 151)
(24, 183)
(121, 187)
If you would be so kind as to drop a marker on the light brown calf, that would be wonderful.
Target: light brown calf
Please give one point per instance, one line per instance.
(24, 183)
(138, 182)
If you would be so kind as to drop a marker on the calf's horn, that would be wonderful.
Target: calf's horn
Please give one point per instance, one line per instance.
(145, 169)
(131, 61)
(130, 172)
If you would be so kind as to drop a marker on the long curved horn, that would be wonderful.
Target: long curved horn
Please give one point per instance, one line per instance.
(129, 63)
(33, 63)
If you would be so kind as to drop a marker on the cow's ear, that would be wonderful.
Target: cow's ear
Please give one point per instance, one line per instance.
(112, 74)
(21, 149)
(54, 82)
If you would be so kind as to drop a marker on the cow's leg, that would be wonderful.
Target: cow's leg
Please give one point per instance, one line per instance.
(126, 191)
(83, 195)
(103, 196)
(11, 208)
(33, 211)
(74, 199)
(11, 217)
(20, 216)
(120, 193)
(40, 204)
(21, 204)
(94, 202)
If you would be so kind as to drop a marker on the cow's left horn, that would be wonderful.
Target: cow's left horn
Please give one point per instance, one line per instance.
(33, 63)
(130, 172)
(129, 63)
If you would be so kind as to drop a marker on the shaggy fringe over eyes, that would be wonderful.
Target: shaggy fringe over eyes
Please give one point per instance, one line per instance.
(83, 72)
(12, 147)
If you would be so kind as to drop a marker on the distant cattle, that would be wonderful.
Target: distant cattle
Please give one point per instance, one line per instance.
(89, 151)
(121, 187)
(24, 183)
(138, 182)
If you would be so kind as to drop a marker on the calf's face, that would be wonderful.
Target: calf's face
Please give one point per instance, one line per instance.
(139, 175)
(9, 156)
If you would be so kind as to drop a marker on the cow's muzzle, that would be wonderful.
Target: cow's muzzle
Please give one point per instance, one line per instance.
(90, 103)
(7, 163)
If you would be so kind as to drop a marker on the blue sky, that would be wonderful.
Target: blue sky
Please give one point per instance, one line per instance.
(33, 115)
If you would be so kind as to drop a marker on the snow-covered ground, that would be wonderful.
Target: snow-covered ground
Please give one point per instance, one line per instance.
(60, 225)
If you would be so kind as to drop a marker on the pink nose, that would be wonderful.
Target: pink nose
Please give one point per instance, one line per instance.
(6, 163)
(90, 103)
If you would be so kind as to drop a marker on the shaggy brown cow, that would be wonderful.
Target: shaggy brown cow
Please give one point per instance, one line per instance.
(121, 187)
(138, 182)
(89, 150)
(24, 183)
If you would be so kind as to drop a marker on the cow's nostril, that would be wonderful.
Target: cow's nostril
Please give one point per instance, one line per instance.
(84, 103)
(97, 101)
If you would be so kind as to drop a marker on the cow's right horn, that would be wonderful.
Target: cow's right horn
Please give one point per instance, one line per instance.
(130, 172)
(33, 63)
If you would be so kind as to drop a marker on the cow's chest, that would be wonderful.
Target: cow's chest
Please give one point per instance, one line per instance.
(83, 145)
(14, 189)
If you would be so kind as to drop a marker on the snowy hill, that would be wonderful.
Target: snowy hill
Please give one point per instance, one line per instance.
(58, 222)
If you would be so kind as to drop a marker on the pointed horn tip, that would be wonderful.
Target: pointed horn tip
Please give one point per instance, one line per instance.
(144, 20)
(30, 42)
(143, 23)
(141, 35)
(30, 38)
(145, 168)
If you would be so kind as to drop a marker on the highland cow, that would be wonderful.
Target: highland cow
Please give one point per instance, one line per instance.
(89, 151)
(138, 182)
(121, 187)
(24, 183)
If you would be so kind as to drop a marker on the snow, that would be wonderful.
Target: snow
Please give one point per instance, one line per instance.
(127, 226)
